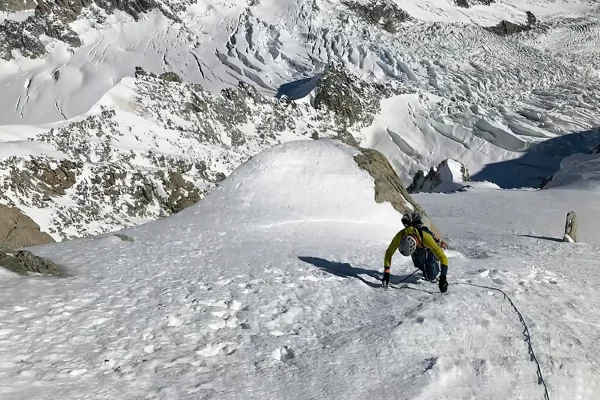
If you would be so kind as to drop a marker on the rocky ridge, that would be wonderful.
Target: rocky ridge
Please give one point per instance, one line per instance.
(17, 231)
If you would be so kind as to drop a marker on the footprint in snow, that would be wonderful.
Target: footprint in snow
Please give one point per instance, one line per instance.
(283, 354)
(223, 282)
(285, 320)
(227, 315)
(216, 349)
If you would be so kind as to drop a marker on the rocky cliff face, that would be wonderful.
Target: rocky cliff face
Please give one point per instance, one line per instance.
(388, 186)
(18, 230)
(17, 5)
(470, 3)
(383, 13)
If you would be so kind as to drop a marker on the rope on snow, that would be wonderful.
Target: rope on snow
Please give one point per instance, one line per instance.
(525, 333)
(521, 319)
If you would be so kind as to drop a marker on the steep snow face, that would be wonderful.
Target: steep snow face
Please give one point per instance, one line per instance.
(215, 303)
(579, 171)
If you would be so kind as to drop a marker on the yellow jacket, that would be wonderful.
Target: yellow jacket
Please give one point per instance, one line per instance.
(428, 242)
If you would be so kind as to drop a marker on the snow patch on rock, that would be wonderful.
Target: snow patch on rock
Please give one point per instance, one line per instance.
(449, 176)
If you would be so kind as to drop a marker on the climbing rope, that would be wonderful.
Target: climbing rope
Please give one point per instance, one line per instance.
(405, 279)
(525, 333)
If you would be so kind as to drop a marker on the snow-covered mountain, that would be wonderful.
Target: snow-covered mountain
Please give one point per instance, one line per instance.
(152, 146)
(270, 288)
(109, 96)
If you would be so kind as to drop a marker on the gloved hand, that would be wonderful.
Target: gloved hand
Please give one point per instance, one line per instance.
(444, 245)
(386, 278)
(443, 284)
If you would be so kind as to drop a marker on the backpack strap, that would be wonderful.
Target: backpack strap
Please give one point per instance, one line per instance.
(426, 229)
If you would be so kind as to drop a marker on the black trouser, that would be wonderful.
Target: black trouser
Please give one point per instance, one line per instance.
(426, 261)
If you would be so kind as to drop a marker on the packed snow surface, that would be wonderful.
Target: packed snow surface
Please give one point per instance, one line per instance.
(269, 289)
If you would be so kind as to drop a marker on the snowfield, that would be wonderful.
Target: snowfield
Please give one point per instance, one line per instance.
(269, 288)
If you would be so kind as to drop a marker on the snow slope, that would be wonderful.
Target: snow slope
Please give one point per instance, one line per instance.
(579, 171)
(15, 16)
(269, 288)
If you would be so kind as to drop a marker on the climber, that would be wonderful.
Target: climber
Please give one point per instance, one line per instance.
(427, 252)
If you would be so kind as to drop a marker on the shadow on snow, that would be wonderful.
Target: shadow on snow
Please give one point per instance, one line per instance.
(346, 270)
(544, 238)
(298, 89)
(539, 161)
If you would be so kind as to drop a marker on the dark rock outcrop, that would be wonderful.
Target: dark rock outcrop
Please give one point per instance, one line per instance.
(388, 186)
(24, 262)
(506, 28)
(446, 177)
(381, 13)
(470, 3)
(18, 230)
(125, 238)
(531, 19)
(24, 36)
(17, 5)
(351, 100)
(170, 77)
(51, 18)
